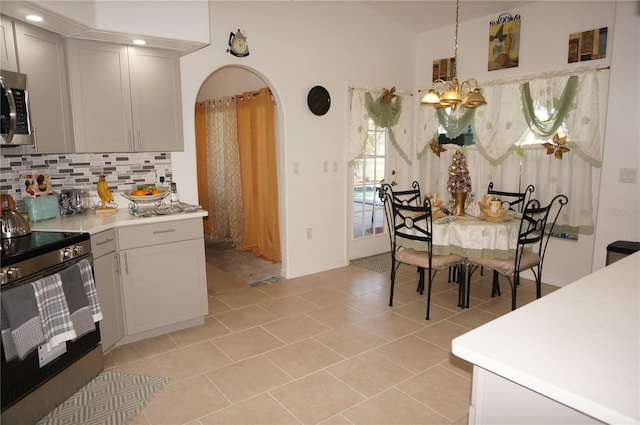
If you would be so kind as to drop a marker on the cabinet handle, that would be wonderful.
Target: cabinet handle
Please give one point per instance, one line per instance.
(104, 241)
(130, 140)
(126, 264)
(117, 263)
(35, 139)
(139, 140)
(156, 232)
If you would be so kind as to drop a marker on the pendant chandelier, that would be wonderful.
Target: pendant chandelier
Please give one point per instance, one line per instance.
(450, 94)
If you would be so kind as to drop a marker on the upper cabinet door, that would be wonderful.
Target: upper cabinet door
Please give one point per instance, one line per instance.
(8, 58)
(125, 99)
(156, 103)
(100, 96)
(42, 56)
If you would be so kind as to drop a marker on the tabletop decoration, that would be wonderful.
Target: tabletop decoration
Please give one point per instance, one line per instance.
(105, 195)
(459, 183)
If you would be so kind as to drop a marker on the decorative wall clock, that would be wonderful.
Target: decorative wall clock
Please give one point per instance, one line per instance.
(319, 100)
(238, 45)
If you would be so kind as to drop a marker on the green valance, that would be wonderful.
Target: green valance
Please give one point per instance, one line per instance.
(545, 128)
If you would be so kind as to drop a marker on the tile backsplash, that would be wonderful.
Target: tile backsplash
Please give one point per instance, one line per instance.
(123, 171)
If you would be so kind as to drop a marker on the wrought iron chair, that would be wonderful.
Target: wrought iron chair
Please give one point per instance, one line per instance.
(413, 226)
(514, 201)
(406, 197)
(533, 237)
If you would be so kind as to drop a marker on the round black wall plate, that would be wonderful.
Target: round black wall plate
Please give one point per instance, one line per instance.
(319, 100)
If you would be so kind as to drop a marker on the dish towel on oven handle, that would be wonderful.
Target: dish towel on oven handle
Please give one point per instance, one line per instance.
(54, 312)
(20, 322)
(49, 311)
(77, 300)
(90, 289)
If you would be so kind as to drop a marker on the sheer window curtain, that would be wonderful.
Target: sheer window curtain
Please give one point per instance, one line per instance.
(499, 155)
(223, 171)
(365, 103)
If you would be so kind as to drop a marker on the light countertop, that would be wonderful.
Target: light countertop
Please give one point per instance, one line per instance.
(94, 223)
(579, 345)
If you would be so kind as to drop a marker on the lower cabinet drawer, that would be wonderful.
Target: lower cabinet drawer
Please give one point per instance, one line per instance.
(159, 233)
(103, 243)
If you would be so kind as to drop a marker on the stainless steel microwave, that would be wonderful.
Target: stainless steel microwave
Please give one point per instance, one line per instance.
(17, 128)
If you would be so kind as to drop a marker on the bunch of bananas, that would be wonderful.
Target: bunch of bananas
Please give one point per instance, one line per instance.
(103, 190)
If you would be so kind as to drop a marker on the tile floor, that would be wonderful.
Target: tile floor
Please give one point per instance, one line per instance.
(320, 349)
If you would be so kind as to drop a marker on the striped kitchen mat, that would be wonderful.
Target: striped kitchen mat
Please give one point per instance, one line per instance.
(110, 398)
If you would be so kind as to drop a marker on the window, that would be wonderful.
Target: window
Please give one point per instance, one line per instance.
(368, 174)
(465, 139)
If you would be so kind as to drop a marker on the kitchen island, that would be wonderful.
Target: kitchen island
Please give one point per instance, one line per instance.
(572, 356)
(150, 271)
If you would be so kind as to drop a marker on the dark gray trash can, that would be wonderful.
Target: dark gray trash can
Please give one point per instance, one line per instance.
(620, 249)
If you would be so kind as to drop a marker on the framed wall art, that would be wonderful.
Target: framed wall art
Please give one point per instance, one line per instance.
(444, 69)
(504, 42)
(588, 45)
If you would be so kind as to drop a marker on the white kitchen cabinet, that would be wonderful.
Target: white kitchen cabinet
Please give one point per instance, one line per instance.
(163, 274)
(42, 56)
(107, 278)
(496, 400)
(8, 59)
(125, 99)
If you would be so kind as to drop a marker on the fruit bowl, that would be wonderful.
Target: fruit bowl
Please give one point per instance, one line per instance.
(146, 198)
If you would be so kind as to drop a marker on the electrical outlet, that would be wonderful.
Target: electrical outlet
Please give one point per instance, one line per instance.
(309, 233)
(325, 167)
(161, 177)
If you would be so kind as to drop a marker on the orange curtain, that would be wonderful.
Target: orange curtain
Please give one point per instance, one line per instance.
(257, 148)
(201, 162)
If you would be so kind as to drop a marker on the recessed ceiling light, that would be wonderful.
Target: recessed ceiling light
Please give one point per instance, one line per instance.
(139, 42)
(34, 18)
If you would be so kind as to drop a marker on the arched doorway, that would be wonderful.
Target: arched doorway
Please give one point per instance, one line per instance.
(226, 89)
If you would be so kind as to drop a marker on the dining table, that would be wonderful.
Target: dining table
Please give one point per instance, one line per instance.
(472, 236)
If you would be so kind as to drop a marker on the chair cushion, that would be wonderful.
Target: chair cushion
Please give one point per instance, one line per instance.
(529, 260)
(421, 259)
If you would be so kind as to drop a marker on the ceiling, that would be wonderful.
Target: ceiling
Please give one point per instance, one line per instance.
(421, 16)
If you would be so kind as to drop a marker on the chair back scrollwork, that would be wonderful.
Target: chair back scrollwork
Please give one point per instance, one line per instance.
(516, 201)
(536, 227)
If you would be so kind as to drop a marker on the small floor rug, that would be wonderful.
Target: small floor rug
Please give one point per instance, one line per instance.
(378, 263)
(111, 398)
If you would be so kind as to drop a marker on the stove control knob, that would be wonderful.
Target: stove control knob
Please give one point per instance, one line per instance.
(10, 273)
(72, 252)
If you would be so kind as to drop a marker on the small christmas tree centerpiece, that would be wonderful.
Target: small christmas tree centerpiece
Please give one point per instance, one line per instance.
(459, 183)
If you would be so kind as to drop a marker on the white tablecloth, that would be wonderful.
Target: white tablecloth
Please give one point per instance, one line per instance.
(472, 237)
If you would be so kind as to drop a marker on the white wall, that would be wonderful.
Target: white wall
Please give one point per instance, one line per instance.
(545, 30)
(297, 45)
(619, 209)
(229, 81)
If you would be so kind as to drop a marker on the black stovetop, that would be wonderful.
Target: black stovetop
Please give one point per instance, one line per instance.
(36, 243)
